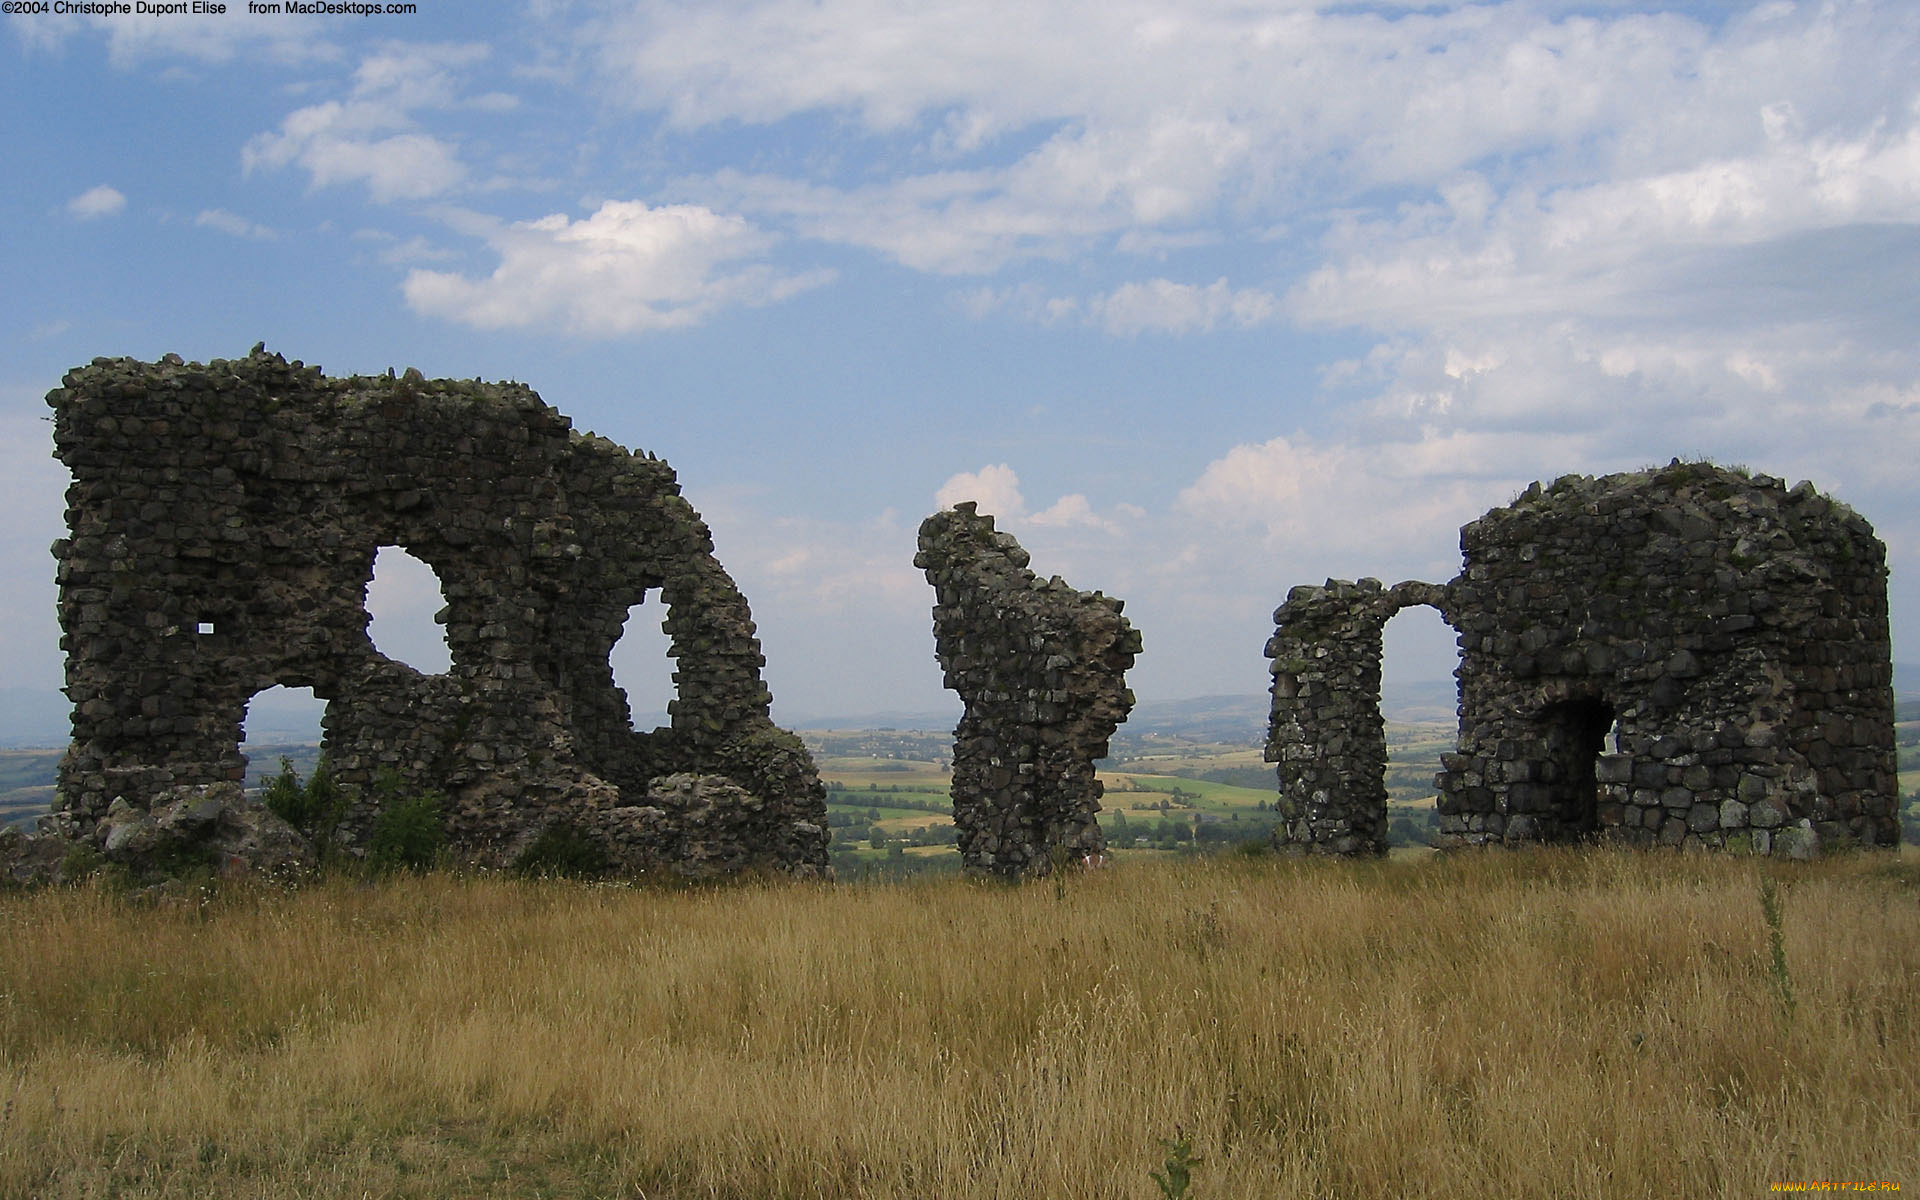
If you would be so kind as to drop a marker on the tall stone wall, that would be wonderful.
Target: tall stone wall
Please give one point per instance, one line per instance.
(1689, 657)
(224, 519)
(1042, 670)
(1325, 728)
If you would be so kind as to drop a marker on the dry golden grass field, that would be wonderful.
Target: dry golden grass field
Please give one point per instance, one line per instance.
(1540, 1024)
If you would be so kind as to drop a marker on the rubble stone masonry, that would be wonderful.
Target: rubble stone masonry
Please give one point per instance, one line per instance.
(1691, 656)
(1042, 670)
(224, 519)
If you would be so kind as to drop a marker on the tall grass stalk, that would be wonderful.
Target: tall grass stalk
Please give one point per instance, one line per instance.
(1551, 1024)
(1776, 947)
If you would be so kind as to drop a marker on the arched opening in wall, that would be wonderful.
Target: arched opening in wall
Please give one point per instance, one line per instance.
(1419, 700)
(643, 664)
(1574, 732)
(402, 600)
(281, 722)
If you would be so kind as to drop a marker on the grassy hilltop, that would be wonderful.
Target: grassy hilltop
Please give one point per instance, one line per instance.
(1520, 1024)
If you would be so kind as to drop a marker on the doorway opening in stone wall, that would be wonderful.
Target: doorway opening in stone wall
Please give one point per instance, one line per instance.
(402, 600)
(643, 664)
(1574, 733)
(1419, 702)
(280, 722)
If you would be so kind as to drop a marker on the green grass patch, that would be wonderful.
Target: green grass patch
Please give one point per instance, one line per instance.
(1131, 790)
(28, 768)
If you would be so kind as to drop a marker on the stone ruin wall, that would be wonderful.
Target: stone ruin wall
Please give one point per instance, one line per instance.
(1042, 671)
(1325, 728)
(223, 523)
(1687, 657)
(1707, 652)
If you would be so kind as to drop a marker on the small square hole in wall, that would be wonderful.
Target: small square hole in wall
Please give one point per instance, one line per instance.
(204, 627)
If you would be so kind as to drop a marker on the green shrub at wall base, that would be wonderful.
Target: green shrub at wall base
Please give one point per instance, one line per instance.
(314, 808)
(563, 850)
(408, 832)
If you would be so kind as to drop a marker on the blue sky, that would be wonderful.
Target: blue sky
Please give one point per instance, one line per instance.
(1203, 300)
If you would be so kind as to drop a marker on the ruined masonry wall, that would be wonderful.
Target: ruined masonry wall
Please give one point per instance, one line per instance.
(1042, 670)
(1687, 657)
(223, 522)
(1325, 730)
(1705, 652)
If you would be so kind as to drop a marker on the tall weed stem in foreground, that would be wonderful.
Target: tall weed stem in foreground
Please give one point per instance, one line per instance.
(1777, 947)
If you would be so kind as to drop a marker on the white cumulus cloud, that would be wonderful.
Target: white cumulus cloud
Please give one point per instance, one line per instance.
(101, 201)
(371, 137)
(627, 268)
(996, 489)
(1348, 502)
(1043, 129)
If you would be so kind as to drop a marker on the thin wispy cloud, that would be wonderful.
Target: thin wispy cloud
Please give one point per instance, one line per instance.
(370, 136)
(234, 225)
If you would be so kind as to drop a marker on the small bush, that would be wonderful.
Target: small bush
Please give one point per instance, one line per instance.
(314, 808)
(80, 861)
(408, 832)
(562, 849)
(284, 797)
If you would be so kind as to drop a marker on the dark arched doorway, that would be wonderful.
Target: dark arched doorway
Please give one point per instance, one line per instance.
(1574, 733)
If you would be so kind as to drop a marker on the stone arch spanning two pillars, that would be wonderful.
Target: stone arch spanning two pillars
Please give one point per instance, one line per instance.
(1690, 656)
(1326, 732)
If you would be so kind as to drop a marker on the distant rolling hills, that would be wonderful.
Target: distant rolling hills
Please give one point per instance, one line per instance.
(35, 717)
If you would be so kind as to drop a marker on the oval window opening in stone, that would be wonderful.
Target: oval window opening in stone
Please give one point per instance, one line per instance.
(643, 665)
(1419, 700)
(280, 722)
(401, 602)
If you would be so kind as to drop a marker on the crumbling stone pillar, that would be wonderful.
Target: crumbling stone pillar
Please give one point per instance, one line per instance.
(1042, 670)
(1325, 730)
(223, 523)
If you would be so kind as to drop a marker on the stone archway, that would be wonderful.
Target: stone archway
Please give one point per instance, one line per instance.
(1325, 730)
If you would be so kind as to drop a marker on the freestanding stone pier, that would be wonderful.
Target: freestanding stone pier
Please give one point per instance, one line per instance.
(1690, 657)
(1325, 730)
(1042, 670)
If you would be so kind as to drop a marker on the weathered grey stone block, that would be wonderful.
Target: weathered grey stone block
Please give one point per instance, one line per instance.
(1797, 841)
(1767, 812)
